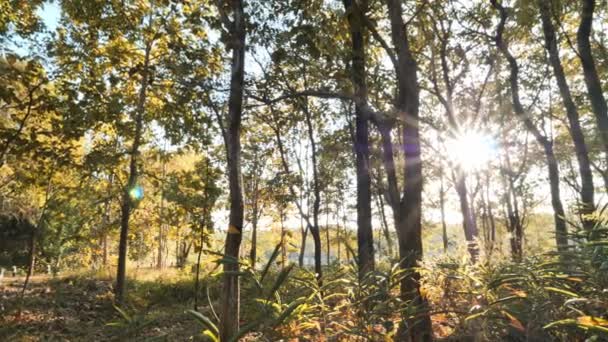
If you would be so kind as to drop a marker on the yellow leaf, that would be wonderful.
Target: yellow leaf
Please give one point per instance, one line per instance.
(590, 320)
(233, 230)
(515, 323)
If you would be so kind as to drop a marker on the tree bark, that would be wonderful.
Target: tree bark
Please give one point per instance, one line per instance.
(327, 240)
(31, 263)
(198, 264)
(546, 144)
(127, 202)
(314, 229)
(587, 204)
(444, 228)
(230, 296)
(20, 126)
(592, 80)
(386, 232)
(283, 245)
(468, 222)
(409, 217)
(365, 238)
(254, 234)
(304, 231)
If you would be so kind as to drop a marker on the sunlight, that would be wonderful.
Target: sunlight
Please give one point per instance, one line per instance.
(471, 150)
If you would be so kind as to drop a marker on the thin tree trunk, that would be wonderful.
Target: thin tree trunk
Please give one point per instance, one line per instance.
(490, 212)
(283, 245)
(254, 238)
(255, 210)
(444, 227)
(387, 233)
(470, 227)
(127, 201)
(314, 229)
(104, 243)
(161, 227)
(303, 216)
(327, 232)
(365, 238)
(592, 80)
(20, 126)
(230, 295)
(546, 144)
(178, 252)
(198, 264)
(587, 204)
(304, 231)
(31, 261)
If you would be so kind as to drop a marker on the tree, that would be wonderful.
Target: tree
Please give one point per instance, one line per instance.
(543, 141)
(587, 205)
(592, 79)
(229, 303)
(365, 240)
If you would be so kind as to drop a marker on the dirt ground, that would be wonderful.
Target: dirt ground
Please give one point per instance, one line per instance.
(72, 308)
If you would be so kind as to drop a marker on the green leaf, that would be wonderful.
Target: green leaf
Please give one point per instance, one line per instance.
(280, 279)
(271, 260)
(289, 310)
(205, 321)
(561, 291)
(123, 313)
(207, 333)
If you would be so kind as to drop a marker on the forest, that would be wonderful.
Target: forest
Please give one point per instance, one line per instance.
(289, 170)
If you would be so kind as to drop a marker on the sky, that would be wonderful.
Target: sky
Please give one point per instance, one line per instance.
(50, 14)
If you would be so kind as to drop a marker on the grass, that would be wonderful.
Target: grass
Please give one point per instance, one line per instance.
(79, 307)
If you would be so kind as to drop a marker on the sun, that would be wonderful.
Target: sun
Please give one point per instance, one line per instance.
(471, 150)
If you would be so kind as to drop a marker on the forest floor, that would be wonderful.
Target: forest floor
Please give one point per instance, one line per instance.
(79, 308)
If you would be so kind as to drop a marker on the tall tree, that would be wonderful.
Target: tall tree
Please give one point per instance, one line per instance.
(365, 240)
(587, 203)
(543, 141)
(230, 296)
(408, 216)
(592, 79)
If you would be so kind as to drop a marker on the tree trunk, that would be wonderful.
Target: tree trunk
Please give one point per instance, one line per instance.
(161, 226)
(587, 204)
(127, 201)
(314, 229)
(490, 212)
(444, 228)
(304, 230)
(468, 222)
(365, 238)
(198, 265)
(558, 210)
(559, 216)
(254, 239)
(592, 80)
(409, 220)
(327, 232)
(230, 296)
(31, 263)
(387, 233)
(512, 215)
(283, 245)
(20, 126)
(104, 243)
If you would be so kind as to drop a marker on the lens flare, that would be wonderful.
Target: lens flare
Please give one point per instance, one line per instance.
(472, 150)
(136, 193)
